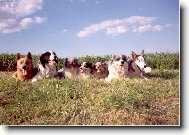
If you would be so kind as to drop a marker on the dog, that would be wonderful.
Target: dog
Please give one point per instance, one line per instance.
(24, 67)
(117, 68)
(85, 70)
(100, 70)
(46, 67)
(71, 68)
(137, 65)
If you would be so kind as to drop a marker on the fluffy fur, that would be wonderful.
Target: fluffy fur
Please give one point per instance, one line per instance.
(71, 68)
(118, 67)
(137, 65)
(24, 67)
(85, 71)
(47, 66)
(100, 70)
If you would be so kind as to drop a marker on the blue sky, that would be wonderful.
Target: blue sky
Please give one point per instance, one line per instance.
(89, 27)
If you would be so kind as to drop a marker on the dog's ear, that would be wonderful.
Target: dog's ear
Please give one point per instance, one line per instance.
(142, 53)
(105, 65)
(93, 66)
(89, 64)
(124, 57)
(65, 62)
(75, 60)
(42, 60)
(18, 56)
(133, 54)
(29, 56)
(79, 64)
(56, 60)
(113, 58)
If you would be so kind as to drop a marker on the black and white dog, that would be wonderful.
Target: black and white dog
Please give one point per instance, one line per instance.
(85, 71)
(46, 67)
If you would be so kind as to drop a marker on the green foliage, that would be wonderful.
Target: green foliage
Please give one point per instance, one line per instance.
(133, 101)
(155, 61)
(163, 60)
(7, 62)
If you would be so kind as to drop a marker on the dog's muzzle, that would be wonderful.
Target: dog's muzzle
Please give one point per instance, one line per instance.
(52, 62)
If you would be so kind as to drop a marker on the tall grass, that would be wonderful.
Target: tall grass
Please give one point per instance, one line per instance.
(74, 101)
(155, 60)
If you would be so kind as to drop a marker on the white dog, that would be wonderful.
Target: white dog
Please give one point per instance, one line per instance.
(117, 68)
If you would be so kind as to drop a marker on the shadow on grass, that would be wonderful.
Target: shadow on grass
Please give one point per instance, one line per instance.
(164, 74)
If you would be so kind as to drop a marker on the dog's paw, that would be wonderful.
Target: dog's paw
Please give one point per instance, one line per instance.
(34, 80)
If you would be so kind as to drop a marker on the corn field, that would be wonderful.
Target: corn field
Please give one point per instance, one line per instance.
(154, 60)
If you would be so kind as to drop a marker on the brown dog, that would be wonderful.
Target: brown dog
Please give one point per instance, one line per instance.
(100, 70)
(24, 67)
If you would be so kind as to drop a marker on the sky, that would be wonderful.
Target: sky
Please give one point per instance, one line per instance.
(74, 28)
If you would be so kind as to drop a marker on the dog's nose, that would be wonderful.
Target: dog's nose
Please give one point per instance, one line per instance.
(24, 67)
(122, 62)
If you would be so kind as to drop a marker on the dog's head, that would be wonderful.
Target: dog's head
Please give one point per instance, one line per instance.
(86, 67)
(100, 67)
(140, 61)
(119, 59)
(24, 64)
(49, 57)
(71, 63)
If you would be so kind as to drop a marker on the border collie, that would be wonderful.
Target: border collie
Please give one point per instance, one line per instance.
(46, 67)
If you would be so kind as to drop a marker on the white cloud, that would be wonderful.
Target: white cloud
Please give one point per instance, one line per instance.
(13, 25)
(118, 26)
(150, 27)
(116, 30)
(40, 20)
(21, 8)
(147, 28)
(15, 15)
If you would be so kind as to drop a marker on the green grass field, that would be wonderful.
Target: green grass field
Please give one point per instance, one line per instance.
(132, 101)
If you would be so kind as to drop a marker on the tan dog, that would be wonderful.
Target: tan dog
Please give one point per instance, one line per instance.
(24, 67)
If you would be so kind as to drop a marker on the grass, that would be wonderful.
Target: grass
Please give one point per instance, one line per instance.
(132, 101)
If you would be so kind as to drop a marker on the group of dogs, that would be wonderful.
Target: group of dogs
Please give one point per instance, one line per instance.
(119, 66)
